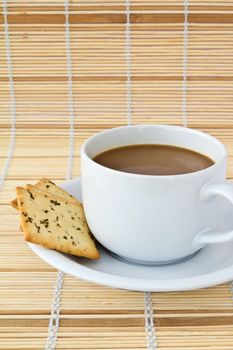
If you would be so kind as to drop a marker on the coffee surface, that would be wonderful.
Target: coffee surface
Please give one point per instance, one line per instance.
(150, 159)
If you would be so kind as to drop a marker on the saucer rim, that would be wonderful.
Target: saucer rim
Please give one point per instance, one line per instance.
(76, 269)
(61, 262)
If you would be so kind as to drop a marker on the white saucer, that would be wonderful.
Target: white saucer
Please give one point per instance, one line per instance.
(212, 265)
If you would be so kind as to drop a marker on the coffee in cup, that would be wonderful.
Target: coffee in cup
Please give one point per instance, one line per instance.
(153, 159)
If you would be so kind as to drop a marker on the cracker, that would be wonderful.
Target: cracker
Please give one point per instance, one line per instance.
(47, 185)
(14, 204)
(54, 223)
(53, 194)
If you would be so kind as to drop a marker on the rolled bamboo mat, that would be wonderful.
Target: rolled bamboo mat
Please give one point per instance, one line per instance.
(92, 316)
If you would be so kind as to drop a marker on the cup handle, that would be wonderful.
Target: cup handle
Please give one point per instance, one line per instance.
(207, 236)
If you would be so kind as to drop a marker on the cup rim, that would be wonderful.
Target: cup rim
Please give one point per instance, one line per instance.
(164, 126)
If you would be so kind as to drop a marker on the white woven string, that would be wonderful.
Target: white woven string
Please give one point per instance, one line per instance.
(149, 324)
(54, 318)
(185, 65)
(128, 63)
(12, 97)
(55, 313)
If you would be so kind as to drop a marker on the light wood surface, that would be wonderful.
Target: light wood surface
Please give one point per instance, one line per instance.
(92, 316)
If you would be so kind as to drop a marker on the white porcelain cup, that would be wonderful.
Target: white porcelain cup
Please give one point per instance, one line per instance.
(154, 219)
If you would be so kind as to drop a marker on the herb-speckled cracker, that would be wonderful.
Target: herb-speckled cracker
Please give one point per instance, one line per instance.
(54, 223)
(47, 185)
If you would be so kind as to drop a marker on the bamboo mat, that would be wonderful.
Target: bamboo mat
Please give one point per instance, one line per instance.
(92, 316)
